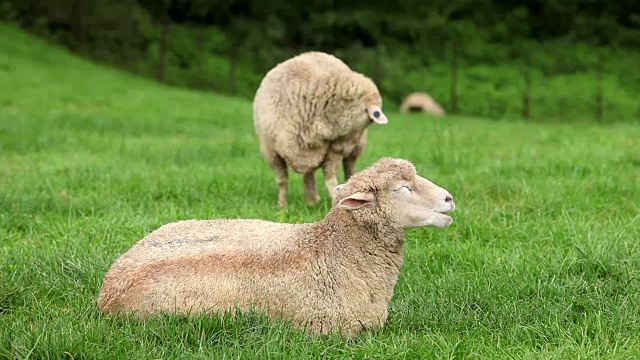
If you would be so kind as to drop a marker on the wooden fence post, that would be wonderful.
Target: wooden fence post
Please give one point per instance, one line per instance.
(526, 98)
(454, 77)
(378, 73)
(233, 67)
(162, 59)
(599, 90)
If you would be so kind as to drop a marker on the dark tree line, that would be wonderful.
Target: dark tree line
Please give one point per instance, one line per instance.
(155, 37)
(336, 24)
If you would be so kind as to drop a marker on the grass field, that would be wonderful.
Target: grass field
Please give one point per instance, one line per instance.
(542, 261)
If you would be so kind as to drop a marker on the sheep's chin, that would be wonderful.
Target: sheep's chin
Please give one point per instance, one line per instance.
(441, 220)
(425, 218)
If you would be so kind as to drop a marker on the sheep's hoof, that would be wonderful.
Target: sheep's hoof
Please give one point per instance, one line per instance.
(282, 204)
(312, 200)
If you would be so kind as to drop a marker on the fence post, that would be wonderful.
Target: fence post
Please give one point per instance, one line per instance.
(233, 66)
(80, 26)
(454, 77)
(162, 60)
(526, 98)
(201, 82)
(599, 91)
(378, 73)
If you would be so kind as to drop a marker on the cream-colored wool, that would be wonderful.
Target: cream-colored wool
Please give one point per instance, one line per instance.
(312, 111)
(335, 275)
(422, 101)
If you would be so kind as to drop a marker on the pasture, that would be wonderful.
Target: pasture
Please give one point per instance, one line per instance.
(542, 260)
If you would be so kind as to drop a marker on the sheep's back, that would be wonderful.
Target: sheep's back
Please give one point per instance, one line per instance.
(196, 238)
(201, 236)
(173, 258)
(297, 89)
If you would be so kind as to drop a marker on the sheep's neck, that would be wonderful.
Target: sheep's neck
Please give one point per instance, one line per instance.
(370, 255)
(374, 240)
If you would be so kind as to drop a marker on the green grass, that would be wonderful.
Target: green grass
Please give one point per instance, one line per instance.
(542, 261)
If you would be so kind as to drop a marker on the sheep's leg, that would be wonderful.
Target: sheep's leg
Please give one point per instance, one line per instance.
(330, 169)
(349, 162)
(282, 179)
(310, 190)
(279, 167)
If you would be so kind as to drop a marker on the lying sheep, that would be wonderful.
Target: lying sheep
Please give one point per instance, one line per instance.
(312, 111)
(335, 275)
(418, 101)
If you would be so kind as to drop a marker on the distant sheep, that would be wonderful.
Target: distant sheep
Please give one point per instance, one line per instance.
(418, 101)
(313, 111)
(333, 276)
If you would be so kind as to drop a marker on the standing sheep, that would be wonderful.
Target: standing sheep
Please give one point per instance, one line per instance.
(312, 111)
(335, 275)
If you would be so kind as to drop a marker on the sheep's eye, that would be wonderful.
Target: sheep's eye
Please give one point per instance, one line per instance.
(376, 114)
(408, 188)
(404, 187)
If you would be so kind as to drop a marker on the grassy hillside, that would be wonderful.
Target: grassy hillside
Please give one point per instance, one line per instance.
(542, 260)
(566, 78)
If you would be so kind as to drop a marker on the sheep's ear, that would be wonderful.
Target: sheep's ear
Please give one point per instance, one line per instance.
(376, 114)
(337, 188)
(357, 200)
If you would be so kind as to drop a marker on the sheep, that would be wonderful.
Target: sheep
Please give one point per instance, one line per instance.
(336, 275)
(313, 111)
(421, 102)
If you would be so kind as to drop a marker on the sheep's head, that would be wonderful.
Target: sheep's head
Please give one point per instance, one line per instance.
(391, 190)
(374, 104)
(363, 91)
(376, 115)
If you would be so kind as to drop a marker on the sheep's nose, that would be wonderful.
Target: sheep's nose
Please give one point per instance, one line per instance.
(448, 199)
